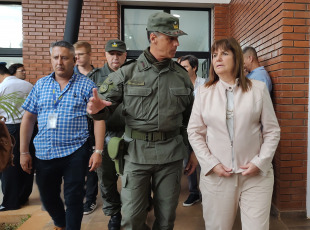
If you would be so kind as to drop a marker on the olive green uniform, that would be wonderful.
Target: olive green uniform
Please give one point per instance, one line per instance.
(115, 127)
(157, 105)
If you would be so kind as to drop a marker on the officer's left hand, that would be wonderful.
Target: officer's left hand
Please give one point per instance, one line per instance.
(95, 104)
(191, 165)
(250, 169)
(94, 161)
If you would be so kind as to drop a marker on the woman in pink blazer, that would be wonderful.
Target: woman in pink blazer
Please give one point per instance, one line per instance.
(234, 132)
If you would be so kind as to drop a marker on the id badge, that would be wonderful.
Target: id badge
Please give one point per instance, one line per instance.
(52, 120)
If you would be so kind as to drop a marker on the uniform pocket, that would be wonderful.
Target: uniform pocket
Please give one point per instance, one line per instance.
(137, 102)
(180, 99)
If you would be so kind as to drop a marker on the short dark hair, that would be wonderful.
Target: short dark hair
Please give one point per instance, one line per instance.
(251, 50)
(192, 60)
(4, 70)
(12, 69)
(63, 44)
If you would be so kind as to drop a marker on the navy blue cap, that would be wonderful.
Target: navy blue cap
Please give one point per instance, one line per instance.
(3, 63)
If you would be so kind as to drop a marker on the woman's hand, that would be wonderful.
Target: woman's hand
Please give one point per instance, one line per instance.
(222, 170)
(250, 169)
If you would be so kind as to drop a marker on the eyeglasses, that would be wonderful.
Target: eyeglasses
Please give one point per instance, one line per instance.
(24, 71)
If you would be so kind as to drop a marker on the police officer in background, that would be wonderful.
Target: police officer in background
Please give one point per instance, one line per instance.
(115, 52)
(157, 98)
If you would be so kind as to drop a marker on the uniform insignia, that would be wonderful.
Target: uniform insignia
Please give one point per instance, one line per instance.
(135, 82)
(114, 45)
(103, 88)
(176, 26)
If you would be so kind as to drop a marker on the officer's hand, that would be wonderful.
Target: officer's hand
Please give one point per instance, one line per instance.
(94, 161)
(191, 164)
(250, 169)
(95, 104)
(26, 162)
(222, 170)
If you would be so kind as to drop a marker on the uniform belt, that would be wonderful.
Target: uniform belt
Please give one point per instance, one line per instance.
(150, 136)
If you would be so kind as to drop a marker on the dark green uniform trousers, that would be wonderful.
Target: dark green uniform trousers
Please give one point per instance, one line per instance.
(165, 181)
(108, 185)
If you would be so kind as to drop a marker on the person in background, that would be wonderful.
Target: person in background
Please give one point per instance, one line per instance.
(255, 71)
(190, 63)
(15, 183)
(233, 151)
(157, 98)
(84, 67)
(59, 102)
(115, 52)
(18, 70)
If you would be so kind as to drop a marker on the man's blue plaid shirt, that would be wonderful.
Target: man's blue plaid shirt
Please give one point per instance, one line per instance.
(72, 129)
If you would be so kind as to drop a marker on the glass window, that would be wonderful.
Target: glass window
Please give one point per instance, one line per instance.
(135, 24)
(11, 60)
(11, 26)
(196, 22)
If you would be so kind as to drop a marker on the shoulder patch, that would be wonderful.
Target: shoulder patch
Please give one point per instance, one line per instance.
(105, 85)
(103, 88)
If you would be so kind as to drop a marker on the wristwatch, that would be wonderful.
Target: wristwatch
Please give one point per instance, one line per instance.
(99, 151)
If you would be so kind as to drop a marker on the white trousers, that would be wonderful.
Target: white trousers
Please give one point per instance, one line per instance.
(221, 197)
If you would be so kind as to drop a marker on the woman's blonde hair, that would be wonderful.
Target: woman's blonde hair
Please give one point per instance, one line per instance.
(238, 71)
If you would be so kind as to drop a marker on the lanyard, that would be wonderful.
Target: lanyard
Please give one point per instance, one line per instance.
(56, 101)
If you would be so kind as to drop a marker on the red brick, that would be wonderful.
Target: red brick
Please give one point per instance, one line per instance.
(293, 6)
(300, 101)
(301, 43)
(301, 29)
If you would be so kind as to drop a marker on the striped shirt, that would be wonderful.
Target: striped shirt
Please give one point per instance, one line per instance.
(71, 131)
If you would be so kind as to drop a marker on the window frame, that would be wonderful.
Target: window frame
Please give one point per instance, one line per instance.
(11, 52)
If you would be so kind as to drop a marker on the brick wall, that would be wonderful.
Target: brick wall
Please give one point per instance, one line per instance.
(44, 22)
(279, 31)
(221, 20)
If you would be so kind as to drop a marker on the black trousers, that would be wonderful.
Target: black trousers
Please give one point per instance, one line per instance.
(91, 187)
(15, 183)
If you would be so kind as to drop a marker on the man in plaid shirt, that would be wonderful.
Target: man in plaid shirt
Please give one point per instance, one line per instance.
(58, 101)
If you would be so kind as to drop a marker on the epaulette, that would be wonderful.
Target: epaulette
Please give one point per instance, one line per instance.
(92, 72)
(178, 64)
(129, 62)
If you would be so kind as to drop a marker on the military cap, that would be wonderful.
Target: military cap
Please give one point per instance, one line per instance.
(164, 23)
(115, 45)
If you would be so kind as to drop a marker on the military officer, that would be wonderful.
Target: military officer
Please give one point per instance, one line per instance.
(157, 98)
(115, 52)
